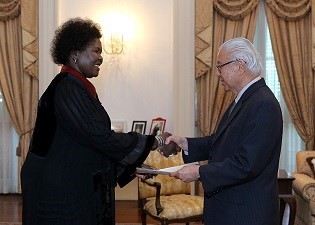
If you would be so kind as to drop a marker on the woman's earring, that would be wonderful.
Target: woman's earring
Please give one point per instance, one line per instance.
(74, 59)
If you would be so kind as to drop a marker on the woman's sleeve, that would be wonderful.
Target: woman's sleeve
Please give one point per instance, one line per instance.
(87, 122)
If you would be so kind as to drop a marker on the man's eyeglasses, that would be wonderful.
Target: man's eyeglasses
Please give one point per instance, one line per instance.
(219, 67)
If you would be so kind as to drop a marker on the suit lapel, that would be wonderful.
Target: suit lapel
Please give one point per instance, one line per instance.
(226, 120)
(229, 118)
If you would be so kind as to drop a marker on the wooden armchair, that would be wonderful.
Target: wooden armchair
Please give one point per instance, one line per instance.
(165, 198)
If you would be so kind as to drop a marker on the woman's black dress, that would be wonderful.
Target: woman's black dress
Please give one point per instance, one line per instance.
(75, 159)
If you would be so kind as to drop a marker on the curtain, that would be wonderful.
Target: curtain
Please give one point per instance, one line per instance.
(290, 24)
(19, 66)
(291, 141)
(217, 21)
(283, 16)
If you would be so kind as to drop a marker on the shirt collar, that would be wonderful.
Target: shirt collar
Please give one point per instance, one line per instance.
(245, 88)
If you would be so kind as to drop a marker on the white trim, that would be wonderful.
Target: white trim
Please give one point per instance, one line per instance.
(48, 12)
(184, 68)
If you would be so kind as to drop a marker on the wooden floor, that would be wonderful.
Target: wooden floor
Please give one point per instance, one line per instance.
(10, 208)
(126, 211)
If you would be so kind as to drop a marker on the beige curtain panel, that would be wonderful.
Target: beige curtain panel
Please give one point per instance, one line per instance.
(290, 24)
(216, 22)
(19, 66)
(9, 9)
(292, 29)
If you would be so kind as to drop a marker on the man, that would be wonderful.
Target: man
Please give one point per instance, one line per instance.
(240, 180)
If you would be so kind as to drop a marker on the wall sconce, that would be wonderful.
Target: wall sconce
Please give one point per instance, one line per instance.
(118, 30)
(113, 45)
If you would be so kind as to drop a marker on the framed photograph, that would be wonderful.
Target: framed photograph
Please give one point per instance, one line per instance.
(139, 126)
(157, 126)
(119, 126)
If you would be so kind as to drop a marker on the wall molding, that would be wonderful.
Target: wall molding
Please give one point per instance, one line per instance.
(48, 15)
(184, 68)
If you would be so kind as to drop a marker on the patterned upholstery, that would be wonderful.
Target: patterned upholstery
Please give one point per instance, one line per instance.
(304, 160)
(178, 205)
(304, 188)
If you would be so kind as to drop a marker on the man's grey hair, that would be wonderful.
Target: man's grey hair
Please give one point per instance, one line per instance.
(242, 49)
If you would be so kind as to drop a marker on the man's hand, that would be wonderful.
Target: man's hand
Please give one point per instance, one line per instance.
(187, 173)
(180, 141)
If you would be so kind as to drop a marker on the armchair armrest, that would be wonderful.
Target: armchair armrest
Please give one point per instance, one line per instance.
(304, 186)
(157, 186)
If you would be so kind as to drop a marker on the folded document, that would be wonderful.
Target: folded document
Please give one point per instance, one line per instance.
(165, 171)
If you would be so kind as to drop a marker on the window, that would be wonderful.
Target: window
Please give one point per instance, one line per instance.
(271, 71)
(291, 141)
(8, 158)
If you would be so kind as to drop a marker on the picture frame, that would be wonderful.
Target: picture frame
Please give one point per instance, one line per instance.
(157, 126)
(119, 126)
(139, 126)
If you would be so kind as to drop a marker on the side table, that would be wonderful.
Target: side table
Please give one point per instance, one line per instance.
(286, 195)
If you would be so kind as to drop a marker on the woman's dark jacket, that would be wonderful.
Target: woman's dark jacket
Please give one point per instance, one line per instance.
(75, 159)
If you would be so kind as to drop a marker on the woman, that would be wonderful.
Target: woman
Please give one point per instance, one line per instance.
(75, 159)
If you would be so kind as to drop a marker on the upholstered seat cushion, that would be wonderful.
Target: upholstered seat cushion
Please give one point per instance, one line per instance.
(176, 206)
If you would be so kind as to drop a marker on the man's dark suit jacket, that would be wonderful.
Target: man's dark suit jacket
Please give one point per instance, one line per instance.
(240, 180)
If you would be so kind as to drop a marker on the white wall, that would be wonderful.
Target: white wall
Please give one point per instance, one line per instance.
(140, 87)
(156, 75)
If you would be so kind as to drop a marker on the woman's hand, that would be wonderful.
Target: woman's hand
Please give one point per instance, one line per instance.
(145, 176)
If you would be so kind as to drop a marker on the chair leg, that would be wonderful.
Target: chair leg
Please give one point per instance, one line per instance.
(143, 218)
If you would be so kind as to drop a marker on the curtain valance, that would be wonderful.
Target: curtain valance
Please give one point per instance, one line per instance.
(235, 9)
(9, 9)
(290, 10)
